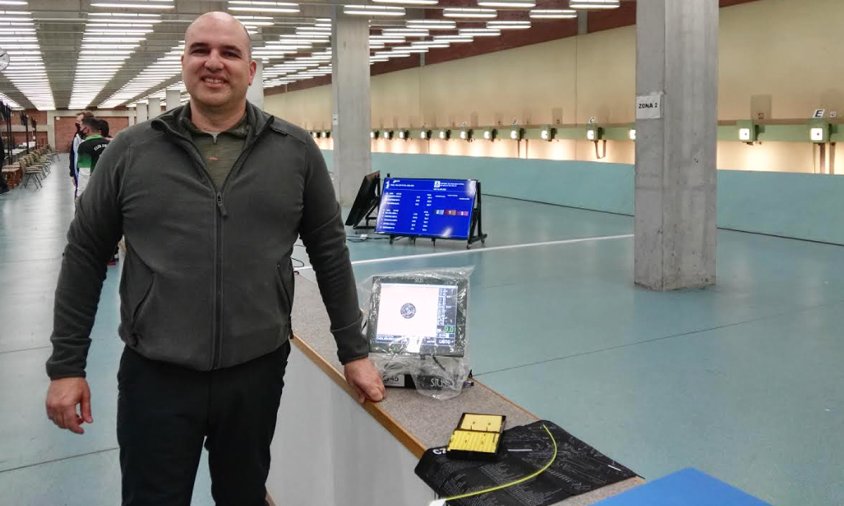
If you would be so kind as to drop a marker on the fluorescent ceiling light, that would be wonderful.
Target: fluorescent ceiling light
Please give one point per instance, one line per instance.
(86, 45)
(277, 10)
(123, 31)
(594, 4)
(393, 54)
(107, 51)
(460, 12)
(373, 10)
(389, 39)
(105, 58)
(137, 4)
(454, 38)
(512, 4)
(261, 3)
(553, 13)
(432, 24)
(407, 2)
(124, 14)
(430, 44)
(303, 36)
(508, 25)
(106, 40)
(253, 18)
(406, 32)
(120, 22)
(480, 32)
(313, 30)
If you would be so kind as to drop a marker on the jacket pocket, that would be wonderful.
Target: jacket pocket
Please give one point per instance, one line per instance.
(142, 303)
(284, 280)
(136, 285)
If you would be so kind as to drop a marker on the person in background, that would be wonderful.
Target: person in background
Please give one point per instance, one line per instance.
(88, 155)
(211, 198)
(89, 151)
(104, 129)
(74, 146)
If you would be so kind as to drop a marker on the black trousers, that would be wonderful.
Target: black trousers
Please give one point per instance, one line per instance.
(165, 413)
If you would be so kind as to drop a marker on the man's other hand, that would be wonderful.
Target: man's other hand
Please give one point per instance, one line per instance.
(364, 379)
(69, 404)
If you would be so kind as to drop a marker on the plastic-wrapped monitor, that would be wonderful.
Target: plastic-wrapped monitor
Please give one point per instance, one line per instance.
(418, 315)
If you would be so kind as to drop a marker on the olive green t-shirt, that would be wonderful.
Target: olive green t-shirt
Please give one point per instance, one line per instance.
(219, 150)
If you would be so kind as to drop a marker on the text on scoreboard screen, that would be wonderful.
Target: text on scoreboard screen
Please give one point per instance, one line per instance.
(427, 207)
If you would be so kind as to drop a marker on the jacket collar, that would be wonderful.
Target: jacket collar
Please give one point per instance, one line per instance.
(171, 121)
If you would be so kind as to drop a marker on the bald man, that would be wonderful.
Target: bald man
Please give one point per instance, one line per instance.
(211, 198)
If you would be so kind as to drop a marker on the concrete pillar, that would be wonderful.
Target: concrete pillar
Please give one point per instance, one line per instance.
(51, 128)
(173, 99)
(154, 108)
(141, 112)
(350, 121)
(582, 22)
(255, 93)
(676, 123)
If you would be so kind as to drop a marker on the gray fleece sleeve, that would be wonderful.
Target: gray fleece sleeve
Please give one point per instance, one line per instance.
(91, 239)
(324, 237)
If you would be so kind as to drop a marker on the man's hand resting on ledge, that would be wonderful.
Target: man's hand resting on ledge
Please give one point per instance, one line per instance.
(364, 379)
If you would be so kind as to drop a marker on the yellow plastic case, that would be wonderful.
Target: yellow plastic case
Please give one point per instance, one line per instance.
(477, 437)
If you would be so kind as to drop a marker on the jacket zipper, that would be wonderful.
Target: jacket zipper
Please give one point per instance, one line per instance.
(216, 354)
(217, 342)
(216, 349)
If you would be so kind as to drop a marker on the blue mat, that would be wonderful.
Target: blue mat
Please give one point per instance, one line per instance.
(688, 487)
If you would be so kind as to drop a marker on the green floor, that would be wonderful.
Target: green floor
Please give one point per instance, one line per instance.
(742, 381)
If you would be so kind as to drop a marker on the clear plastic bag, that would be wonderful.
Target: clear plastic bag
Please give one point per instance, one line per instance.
(417, 325)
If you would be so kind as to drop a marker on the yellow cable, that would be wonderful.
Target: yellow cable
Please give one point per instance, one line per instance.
(512, 483)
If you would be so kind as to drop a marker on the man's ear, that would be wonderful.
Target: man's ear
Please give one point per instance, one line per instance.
(253, 68)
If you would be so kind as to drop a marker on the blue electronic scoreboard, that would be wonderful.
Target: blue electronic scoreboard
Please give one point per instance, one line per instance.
(439, 208)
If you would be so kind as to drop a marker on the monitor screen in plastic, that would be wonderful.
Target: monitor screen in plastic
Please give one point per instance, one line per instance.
(417, 319)
(439, 208)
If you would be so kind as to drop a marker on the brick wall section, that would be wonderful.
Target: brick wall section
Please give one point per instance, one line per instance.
(116, 124)
(65, 128)
(20, 138)
(39, 116)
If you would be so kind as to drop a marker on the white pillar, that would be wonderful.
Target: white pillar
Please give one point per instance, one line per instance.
(677, 65)
(141, 112)
(350, 122)
(154, 108)
(173, 99)
(255, 93)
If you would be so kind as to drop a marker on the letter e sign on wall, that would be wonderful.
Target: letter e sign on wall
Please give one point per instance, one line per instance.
(649, 106)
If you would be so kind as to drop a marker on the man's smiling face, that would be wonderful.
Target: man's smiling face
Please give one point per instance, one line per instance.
(216, 66)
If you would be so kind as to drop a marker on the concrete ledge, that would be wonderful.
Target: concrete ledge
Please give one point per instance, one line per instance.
(417, 422)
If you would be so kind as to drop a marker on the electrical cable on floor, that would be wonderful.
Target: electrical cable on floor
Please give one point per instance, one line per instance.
(441, 502)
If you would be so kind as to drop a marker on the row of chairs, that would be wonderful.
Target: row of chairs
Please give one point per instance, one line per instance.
(33, 166)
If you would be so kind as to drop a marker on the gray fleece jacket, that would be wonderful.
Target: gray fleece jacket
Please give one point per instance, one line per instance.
(207, 280)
